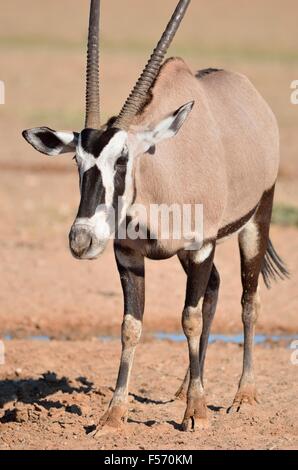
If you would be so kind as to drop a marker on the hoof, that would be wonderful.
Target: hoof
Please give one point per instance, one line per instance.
(195, 417)
(246, 395)
(112, 421)
(194, 423)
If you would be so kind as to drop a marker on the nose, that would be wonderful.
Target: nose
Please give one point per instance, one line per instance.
(80, 240)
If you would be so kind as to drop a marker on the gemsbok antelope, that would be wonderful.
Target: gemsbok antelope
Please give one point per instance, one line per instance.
(181, 138)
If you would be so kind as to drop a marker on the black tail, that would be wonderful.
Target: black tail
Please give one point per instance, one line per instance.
(273, 266)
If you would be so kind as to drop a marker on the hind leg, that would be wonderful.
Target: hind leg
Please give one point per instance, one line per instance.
(253, 243)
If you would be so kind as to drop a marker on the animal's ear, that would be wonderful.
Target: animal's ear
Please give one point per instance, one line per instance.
(167, 127)
(51, 142)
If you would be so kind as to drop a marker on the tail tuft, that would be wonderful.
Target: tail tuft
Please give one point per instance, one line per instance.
(273, 266)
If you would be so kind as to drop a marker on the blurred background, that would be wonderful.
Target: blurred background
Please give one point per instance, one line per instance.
(42, 62)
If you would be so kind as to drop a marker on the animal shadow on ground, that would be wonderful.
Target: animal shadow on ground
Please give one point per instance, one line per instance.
(141, 399)
(151, 423)
(36, 391)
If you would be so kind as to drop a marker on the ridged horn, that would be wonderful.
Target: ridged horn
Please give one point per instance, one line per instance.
(138, 97)
(92, 119)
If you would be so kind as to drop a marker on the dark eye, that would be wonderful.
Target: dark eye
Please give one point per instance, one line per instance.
(122, 161)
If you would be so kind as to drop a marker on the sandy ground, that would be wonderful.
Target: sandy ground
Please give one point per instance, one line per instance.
(54, 393)
(44, 291)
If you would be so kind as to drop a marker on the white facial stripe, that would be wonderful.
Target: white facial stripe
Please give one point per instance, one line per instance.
(106, 163)
(97, 224)
(86, 160)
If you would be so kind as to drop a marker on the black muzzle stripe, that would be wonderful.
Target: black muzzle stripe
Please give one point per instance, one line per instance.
(92, 193)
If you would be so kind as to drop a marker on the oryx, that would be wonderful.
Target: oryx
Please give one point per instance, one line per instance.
(207, 138)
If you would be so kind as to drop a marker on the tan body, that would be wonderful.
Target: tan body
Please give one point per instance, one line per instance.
(226, 155)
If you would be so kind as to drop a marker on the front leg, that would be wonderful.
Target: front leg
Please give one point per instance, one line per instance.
(208, 312)
(131, 270)
(198, 275)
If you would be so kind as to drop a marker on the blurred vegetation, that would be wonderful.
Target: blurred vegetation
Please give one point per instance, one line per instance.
(139, 46)
(71, 117)
(285, 215)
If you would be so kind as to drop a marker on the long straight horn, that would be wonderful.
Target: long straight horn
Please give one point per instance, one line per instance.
(92, 86)
(139, 95)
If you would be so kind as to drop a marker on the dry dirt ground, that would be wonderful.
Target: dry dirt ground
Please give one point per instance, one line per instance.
(53, 394)
(43, 291)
